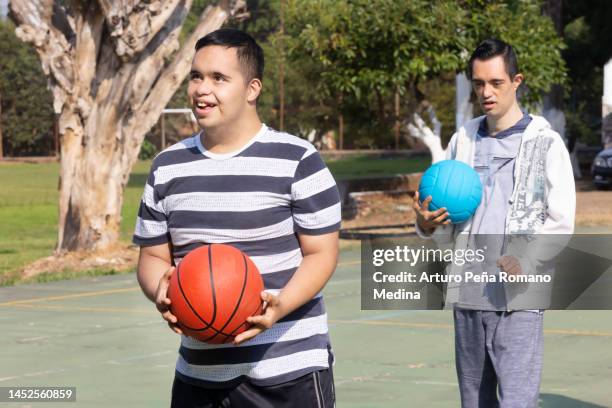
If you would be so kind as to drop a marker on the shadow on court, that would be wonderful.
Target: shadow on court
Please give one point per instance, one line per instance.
(560, 401)
(102, 336)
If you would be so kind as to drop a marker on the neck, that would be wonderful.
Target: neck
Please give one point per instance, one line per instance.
(507, 120)
(231, 137)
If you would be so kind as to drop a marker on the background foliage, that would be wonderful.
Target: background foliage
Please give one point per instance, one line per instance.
(27, 110)
(349, 58)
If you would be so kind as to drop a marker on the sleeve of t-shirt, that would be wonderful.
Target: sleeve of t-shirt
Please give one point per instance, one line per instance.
(314, 196)
(152, 222)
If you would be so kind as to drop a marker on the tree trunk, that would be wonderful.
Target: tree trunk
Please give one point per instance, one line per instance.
(341, 131)
(340, 124)
(382, 115)
(464, 110)
(56, 136)
(397, 119)
(106, 63)
(418, 129)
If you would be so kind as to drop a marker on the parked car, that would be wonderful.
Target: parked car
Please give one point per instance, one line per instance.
(602, 169)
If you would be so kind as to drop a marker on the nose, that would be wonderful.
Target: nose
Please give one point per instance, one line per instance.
(487, 91)
(204, 87)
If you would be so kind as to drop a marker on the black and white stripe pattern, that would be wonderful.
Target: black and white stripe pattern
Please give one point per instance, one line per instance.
(256, 199)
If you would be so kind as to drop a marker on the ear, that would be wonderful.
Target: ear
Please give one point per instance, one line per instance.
(254, 89)
(517, 81)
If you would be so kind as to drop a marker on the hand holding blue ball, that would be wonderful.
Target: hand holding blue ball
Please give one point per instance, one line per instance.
(452, 185)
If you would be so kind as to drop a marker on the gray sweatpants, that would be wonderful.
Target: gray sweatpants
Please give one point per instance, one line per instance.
(499, 358)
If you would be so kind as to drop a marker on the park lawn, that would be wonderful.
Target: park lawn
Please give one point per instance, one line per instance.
(28, 204)
(362, 166)
(28, 212)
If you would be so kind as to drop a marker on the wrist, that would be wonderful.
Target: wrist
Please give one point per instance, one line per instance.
(283, 307)
(426, 230)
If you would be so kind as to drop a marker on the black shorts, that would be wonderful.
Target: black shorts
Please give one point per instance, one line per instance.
(314, 390)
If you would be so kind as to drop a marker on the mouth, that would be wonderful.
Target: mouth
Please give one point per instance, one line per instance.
(203, 108)
(488, 105)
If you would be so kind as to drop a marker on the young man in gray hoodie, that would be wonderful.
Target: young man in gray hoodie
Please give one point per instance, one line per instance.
(528, 189)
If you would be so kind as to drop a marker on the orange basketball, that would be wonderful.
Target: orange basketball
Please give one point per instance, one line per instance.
(213, 290)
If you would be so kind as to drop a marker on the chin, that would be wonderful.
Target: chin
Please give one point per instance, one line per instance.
(494, 113)
(207, 123)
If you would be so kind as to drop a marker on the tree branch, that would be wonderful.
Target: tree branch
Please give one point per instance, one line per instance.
(161, 47)
(133, 24)
(34, 25)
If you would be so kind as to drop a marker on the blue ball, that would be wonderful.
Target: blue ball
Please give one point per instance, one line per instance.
(454, 185)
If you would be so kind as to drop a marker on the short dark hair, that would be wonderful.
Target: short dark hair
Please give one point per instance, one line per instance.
(250, 54)
(492, 47)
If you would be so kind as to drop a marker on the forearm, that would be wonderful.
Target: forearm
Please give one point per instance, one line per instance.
(309, 279)
(149, 272)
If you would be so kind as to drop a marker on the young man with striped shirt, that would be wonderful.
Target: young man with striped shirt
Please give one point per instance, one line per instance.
(267, 193)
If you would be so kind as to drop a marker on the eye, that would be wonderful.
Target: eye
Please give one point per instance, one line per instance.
(218, 77)
(193, 76)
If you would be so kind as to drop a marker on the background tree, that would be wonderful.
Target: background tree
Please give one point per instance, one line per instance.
(363, 52)
(588, 34)
(368, 50)
(112, 67)
(26, 104)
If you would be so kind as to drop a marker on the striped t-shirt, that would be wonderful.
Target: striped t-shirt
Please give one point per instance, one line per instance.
(255, 199)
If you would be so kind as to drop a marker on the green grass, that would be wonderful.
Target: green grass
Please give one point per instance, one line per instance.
(28, 213)
(362, 166)
(28, 206)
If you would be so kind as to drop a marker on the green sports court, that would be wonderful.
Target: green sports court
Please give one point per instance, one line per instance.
(103, 337)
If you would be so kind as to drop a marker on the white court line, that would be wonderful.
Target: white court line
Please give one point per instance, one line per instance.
(89, 365)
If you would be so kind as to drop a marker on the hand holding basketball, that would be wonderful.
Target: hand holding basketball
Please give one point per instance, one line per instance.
(215, 288)
(429, 220)
(271, 314)
(162, 302)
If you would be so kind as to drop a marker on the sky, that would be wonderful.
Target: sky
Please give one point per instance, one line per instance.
(3, 9)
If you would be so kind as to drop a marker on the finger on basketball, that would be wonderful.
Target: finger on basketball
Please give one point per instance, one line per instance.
(170, 271)
(160, 304)
(175, 328)
(255, 319)
(168, 316)
(271, 299)
(165, 279)
(161, 308)
(247, 335)
(161, 297)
